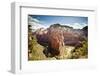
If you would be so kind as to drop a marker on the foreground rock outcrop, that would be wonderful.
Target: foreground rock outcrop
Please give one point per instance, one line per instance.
(56, 41)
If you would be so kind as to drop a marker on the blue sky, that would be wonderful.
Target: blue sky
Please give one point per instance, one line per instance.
(73, 21)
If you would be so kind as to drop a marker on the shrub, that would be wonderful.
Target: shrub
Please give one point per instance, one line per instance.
(81, 52)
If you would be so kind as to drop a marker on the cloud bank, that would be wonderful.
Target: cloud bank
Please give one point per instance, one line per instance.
(77, 25)
(36, 24)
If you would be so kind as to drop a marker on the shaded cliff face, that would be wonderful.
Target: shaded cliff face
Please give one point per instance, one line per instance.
(85, 30)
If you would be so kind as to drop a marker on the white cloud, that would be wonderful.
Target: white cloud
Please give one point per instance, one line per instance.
(33, 19)
(36, 24)
(77, 25)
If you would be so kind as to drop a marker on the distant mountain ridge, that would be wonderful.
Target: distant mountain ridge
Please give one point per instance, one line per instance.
(71, 36)
(58, 25)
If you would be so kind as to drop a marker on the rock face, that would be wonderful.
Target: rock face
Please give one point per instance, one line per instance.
(56, 41)
(42, 36)
(85, 30)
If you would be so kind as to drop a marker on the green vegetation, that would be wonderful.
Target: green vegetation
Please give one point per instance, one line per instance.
(81, 52)
(35, 50)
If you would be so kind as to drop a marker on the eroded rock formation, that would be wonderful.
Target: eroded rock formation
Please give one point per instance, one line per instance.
(56, 41)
